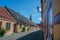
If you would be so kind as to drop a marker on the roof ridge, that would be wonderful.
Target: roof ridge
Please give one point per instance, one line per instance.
(9, 12)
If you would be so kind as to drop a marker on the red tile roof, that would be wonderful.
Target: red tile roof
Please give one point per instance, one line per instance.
(5, 14)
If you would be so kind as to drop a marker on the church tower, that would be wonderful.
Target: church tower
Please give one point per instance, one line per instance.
(30, 17)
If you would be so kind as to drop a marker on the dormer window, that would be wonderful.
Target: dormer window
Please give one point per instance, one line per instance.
(57, 19)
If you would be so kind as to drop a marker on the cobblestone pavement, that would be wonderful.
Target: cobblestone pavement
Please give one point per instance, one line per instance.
(31, 35)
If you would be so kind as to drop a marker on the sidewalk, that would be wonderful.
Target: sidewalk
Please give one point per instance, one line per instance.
(16, 35)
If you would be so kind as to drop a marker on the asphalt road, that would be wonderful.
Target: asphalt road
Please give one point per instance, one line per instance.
(37, 35)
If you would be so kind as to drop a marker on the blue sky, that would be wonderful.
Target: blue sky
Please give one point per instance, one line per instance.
(24, 7)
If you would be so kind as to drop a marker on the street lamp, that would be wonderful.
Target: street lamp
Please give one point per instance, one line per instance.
(39, 10)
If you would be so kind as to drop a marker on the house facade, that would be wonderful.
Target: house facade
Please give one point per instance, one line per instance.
(6, 20)
(50, 11)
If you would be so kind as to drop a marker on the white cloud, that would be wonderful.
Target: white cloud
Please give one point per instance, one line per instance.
(40, 9)
(40, 18)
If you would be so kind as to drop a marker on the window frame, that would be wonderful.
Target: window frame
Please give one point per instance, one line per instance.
(1, 23)
(8, 24)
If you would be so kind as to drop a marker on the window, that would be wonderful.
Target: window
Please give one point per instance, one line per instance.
(8, 26)
(0, 24)
(50, 15)
(57, 19)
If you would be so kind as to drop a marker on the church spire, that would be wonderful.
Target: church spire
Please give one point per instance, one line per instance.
(30, 17)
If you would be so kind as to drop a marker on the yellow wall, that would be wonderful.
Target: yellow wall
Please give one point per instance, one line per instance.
(56, 31)
(18, 28)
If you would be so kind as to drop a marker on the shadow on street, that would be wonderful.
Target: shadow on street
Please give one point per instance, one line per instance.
(37, 35)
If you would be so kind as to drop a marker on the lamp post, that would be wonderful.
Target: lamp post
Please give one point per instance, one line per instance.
(39, 10)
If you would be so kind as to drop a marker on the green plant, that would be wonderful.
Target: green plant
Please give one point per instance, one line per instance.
(2, 31)
(23, 29)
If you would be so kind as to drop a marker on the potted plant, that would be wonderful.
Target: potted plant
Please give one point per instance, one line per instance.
(2, 31)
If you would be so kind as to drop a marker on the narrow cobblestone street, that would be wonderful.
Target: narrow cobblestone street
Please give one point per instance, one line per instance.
(31, 35)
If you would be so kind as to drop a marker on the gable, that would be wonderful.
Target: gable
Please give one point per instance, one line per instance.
(5, 14)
